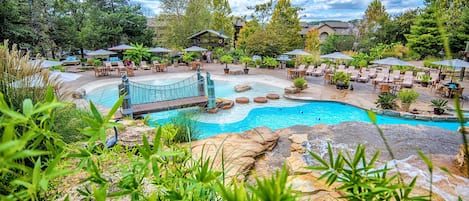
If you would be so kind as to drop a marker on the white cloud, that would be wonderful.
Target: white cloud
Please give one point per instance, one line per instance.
(313, 9)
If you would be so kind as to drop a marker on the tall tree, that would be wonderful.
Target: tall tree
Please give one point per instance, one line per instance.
(425, 37)
(337, 43)
(371, 28)
(15, 23)
(460, 35)
(285, 26)
(312, 42)
(263, 12)
(250, 28)
(172, 19)
(222, 20)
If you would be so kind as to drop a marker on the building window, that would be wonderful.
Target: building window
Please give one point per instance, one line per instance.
(323, 36)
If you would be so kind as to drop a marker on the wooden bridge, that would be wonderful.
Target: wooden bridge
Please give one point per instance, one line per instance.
(144, 98)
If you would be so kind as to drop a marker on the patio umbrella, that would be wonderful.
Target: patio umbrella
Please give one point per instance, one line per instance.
(283, 58)
(121, 47)
(296, 53)
(195, 49)
(392, 62)
(455, 64)
(159, 50)
(336, 55)
(46, 63)
(100, 52)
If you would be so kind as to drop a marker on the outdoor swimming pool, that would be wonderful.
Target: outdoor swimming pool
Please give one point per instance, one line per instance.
(275, 114)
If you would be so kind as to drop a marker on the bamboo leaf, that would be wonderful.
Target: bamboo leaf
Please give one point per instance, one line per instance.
(372, 116)
(114, 108)
(27, 107)
(96, 114)
(427, 161)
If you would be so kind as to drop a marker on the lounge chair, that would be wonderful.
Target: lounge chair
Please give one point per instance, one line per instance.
(354, 75)
(379, 78)
(396, 74)
(319, 71)
(350, 69)
(418, 77)
(144, 66)
(365, 77)
(302, 67)
(310, 70)
(372, 73)
(340, 68)
(408, 81)
(409, 73)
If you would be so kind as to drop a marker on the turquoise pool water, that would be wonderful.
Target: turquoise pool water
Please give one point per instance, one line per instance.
(309, 113)
(275, 114)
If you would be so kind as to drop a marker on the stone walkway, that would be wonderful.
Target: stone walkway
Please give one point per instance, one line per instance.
(362, 96)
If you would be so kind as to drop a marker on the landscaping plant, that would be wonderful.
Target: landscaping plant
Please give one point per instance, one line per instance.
(386, 101)
(407, 97)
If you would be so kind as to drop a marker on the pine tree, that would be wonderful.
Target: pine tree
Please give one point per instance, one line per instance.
(425, 38)
(285, 26)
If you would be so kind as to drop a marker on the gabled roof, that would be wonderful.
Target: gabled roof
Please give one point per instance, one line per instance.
(210, 31)
(342, 25)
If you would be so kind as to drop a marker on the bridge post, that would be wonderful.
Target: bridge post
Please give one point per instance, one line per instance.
(211, 92)
(124, 90)
(200, 82)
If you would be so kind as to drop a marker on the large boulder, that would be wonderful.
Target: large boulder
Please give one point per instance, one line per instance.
(242, 87)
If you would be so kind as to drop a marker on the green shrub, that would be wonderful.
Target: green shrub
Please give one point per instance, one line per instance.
(290, 64)
(186, 127)
(68, 120)
(299, 82)
(386, 101)
(403, 69)
(270, 62)
(342, 77)
(408, 96)
(97, 62)
(245, 60)
(428, 63)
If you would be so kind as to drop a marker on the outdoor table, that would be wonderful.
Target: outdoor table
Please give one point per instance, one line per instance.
(450, 89)
(296, 73)
(156, 67)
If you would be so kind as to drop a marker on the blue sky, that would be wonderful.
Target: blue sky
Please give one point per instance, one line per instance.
(313, 9)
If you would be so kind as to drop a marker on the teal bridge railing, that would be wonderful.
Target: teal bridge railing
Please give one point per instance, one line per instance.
(141, 93)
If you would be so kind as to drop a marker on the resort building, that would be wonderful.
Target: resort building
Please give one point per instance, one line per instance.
(326, 29)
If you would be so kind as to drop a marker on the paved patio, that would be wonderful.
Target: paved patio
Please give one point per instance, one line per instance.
(362, 96)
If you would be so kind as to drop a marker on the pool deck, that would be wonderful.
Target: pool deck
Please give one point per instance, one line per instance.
(363, 95)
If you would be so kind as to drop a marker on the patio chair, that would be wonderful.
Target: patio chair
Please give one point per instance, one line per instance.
(385, 88)
(121, 67)
(310, 70)
(144, 66)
